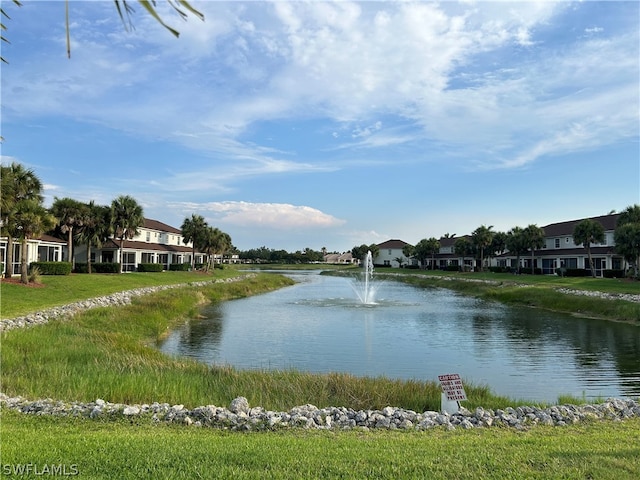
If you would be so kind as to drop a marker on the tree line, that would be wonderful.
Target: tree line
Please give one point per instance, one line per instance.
(24, 217)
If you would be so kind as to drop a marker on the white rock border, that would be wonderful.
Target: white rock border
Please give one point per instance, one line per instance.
(241, 417)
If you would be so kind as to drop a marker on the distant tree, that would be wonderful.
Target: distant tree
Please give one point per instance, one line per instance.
(535, 239)
(18, 185)
(361, 251)
(193, 230)
(126, 218)
(517, 243)
(464, 248)
(409, 251)
(96, 228)
(481, 237)
(31, 220)
(498, 244)
(627, 236)
(425, 248)
(585, 233)
(70, 215)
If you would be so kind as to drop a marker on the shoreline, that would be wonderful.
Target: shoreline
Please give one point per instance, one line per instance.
(239, 416)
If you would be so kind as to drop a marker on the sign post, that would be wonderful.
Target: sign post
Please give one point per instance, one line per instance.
(452, 392)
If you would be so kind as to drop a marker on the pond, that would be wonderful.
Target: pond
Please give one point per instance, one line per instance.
(320, 325)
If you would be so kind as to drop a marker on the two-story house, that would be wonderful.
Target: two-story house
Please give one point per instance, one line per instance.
(560, 250)
(156, 242)
(390, 253)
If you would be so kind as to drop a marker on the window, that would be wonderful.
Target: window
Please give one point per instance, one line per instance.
(148, 236)
(557, 243)
(389, 251)
(566, 240)
(128, 262)
(47, 254)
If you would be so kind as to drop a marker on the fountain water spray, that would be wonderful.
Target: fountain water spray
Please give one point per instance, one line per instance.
(366, 290)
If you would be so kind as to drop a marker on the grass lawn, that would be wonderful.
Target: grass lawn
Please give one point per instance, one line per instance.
(17, 299)
(119, 449)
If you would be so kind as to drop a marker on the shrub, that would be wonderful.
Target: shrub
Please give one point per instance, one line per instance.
(34, 274)
(150, 267)
(613, 273)
(52, 268)
(105, 267)
(180, 267)
(571, 272)
(452, 268)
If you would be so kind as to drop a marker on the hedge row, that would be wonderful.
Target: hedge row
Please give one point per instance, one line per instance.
(98, 268)
(52, 268)
(150, 267)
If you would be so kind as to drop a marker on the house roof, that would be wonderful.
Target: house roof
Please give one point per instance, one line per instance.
(392, 244)
(566, 228)
(162, 227)
(50, 239)
(447, 242)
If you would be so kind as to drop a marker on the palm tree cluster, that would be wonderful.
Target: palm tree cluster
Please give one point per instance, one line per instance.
(210, 240)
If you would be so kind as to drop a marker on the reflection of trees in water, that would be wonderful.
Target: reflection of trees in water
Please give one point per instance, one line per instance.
(591, 342)
(203, 331)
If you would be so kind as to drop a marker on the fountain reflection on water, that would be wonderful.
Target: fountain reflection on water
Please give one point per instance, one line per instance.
(364, 285)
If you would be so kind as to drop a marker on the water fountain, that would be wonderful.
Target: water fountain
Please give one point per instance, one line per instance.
(364, 286)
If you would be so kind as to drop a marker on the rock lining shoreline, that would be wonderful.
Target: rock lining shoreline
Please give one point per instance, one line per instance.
(239, 416)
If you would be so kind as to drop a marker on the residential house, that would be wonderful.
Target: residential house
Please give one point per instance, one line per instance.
(156, 242)
(390, 254)
(560, 250)
(340, 258)
(45, 248)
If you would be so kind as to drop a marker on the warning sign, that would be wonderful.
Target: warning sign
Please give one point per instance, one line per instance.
(452, 386)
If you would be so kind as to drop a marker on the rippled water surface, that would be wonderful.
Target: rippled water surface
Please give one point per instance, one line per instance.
(318, 325)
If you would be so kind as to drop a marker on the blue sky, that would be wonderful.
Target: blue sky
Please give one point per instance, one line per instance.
(315, 124)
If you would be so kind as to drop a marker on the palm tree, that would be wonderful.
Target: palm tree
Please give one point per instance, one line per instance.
(126, 217)
(70, 214)
(463, 247)
(31, 219)
(96, 228)
(498, 244)
(585, 233)
(18, 184)
(517, 243)
(193, 230)
(481, 238)
(124, 10)
(212, 242)
(627, 236)
(535, 239)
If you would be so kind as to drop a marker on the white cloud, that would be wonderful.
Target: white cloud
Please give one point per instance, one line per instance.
(280, 216)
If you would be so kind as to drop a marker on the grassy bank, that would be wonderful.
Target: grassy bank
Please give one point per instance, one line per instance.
(534, 291)
(602, 450)
(17, 299)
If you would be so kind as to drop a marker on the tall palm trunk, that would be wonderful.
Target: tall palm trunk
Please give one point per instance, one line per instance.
(8, 272)
(70, 247)
(88, 257)
(24, 272)
(591, 265)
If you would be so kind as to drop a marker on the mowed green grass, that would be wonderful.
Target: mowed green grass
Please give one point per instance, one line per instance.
(124, 450)
(55, 290)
